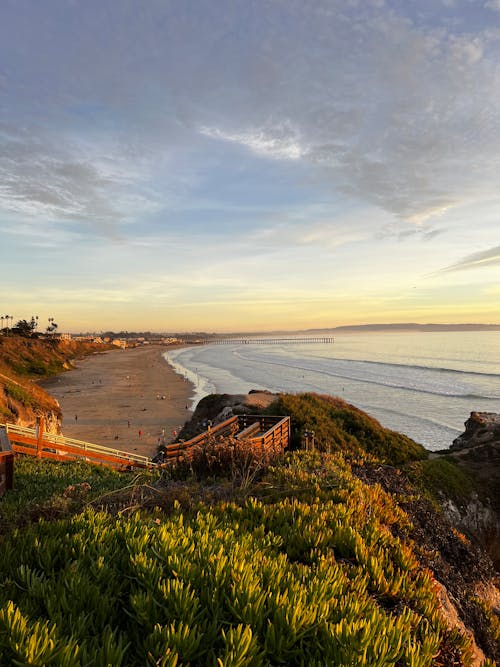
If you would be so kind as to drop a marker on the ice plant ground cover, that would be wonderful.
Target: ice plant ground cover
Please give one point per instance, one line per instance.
(314, 568)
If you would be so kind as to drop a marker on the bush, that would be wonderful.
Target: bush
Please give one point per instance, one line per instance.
(241, 461)
(17, 393)
(441, 477)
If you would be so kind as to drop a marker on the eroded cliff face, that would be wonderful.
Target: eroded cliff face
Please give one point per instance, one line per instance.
(27, 415)
(23, 404)
(477, 451)
(23, 361)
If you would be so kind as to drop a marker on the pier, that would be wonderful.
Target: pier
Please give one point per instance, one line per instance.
(267, 341)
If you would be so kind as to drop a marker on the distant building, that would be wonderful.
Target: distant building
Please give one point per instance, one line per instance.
(87, 338)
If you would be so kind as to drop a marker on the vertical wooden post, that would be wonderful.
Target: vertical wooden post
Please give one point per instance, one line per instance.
(3, 476)
(9, 472)
(39, 438)
(6, 471)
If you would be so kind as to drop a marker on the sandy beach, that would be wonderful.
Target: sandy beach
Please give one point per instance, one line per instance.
(125, 399)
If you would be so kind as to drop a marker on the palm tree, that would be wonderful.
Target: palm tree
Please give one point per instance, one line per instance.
(2, 318)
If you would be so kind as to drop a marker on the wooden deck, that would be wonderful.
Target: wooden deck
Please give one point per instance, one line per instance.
(262, 431)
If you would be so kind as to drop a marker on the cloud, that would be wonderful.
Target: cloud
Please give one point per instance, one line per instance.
(387, 107)
(477, 260)
(44, 177)
(386, 101)
(277, 142)
(401, 232)
(493, 4)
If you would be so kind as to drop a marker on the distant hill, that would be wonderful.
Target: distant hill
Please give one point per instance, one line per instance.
(410, 326)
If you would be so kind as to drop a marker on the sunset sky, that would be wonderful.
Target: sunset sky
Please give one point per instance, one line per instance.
(225, 165)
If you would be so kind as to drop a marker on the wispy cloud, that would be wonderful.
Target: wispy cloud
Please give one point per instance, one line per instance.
(45, 177)
(477, 260)
(278, 141)
(402, 232)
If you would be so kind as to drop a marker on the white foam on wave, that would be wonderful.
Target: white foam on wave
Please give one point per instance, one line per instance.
(202, 385)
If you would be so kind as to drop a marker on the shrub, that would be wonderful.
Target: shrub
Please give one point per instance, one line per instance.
(339, 426)
(441, 477)
(18, 393)
(241, 461)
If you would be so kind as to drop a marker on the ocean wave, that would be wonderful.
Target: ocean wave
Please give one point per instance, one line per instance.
(437, 369)
(432, 391)
(202, 385)
(418, 419)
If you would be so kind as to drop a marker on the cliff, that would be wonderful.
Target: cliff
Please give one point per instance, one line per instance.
(24, 361)
(477, 453)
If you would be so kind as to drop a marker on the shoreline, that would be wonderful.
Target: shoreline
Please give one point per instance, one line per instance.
(125, 399)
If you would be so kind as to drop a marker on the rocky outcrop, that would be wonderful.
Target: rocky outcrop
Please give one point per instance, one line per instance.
(477, 452)
(482, 428)
(479, 520)
(219, 407)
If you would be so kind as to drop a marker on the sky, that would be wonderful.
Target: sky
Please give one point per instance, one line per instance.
(246, 165)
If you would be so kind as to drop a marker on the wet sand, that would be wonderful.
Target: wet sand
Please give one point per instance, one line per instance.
(115, 399)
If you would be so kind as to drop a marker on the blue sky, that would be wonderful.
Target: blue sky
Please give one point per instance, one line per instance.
(232, 165)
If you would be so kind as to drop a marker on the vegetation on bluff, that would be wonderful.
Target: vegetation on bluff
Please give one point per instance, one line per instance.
(310, 572)
(309, 566)
(339, 426)
(23, 361)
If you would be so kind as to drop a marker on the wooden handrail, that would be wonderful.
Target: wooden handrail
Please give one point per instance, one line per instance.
(38, 443)
(55, 441)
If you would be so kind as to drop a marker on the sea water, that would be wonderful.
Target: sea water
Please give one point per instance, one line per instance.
(422, 384)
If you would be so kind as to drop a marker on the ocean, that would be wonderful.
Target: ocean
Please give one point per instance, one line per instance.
(423, 384)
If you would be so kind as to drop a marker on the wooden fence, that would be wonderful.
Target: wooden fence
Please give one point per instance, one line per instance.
(36, 442)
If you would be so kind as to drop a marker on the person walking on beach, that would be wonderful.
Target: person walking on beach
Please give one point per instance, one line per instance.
(140, 433)
(76, 418)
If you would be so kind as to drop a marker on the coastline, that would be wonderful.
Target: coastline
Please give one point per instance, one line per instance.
(424, 385)
(115, 399)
